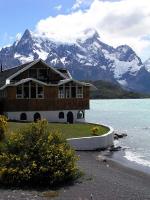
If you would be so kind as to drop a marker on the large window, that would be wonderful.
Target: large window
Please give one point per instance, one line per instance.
(70, 90)
(19, 91)
(79, 92)
(33, 90)
(30, 90)
(61, 92)
(40, 74)
(2, 93)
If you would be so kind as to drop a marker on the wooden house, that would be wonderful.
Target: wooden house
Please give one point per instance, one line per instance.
(36, 90)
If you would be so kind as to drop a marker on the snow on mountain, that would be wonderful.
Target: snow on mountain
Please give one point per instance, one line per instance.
(87, 58)
(147, 65)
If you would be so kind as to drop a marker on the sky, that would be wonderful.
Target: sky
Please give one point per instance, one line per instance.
(118, 22)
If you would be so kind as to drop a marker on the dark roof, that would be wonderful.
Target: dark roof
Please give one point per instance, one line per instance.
(7, 73)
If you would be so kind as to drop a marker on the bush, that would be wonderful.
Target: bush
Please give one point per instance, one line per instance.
(3, 127)
(36, 157)
(95, 131)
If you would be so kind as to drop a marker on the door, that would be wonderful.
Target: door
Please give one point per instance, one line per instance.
(70, 117)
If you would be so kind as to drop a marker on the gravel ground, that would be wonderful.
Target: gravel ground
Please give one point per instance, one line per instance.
(102, 181)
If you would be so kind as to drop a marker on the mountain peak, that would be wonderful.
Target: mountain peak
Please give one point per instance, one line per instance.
(92, 33)
(26, 34)
(89, 35)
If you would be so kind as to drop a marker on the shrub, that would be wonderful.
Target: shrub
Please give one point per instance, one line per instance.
(3, 127)
(95, 130)
(34, 156)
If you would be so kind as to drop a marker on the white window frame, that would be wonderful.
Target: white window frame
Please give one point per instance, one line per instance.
(38, 96)
(79, 94)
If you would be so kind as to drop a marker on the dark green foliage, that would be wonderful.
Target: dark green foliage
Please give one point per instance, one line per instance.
(36, 157)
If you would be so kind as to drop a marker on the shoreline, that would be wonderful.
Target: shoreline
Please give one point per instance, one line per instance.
(119, 157)
(106, 180)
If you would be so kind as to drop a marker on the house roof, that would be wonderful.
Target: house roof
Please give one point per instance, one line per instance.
(11, 73)
(32, 64)
(92, 87)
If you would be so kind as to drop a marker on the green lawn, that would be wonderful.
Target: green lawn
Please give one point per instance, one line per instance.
(68, 130)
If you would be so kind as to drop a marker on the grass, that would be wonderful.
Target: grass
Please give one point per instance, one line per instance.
(68, 130)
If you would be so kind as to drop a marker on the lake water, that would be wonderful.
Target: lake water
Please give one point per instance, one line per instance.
(131, 116)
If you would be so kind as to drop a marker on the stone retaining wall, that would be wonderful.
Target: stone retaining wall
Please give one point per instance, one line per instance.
(93, 142)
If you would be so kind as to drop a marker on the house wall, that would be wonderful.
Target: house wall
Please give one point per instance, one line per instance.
(51, 102)
(51, 116)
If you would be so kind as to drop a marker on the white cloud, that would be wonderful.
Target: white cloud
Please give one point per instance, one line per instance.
(118, 22)
(58, 7)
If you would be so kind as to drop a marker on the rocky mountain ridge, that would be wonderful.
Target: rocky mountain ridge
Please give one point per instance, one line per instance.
(86, 59)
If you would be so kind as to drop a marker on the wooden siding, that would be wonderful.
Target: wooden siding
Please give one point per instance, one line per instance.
(43, 104)
(50, 101)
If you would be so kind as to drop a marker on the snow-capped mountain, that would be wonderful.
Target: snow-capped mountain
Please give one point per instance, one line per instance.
(86, 59)
(147, 65)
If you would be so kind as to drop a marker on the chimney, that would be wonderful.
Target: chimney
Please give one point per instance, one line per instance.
(1, 67)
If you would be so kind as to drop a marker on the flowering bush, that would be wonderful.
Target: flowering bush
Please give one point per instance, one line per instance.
(34, 156)
(95, 130)
(3, 126)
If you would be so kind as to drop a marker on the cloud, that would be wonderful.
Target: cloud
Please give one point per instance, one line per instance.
(58, 7)
(117, 22)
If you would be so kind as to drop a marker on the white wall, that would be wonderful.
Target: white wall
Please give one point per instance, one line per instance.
(51, 116)
(94, 142)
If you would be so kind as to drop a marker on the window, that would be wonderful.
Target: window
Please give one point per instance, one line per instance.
(26, 91)
(61, 115)
(79, 92)
(30, 90)
(42, 74)
(80, 114)
(23, 116)
(19, 92)
(61, 93)
(33, 90)
(40, 93)
(67, 92)
(70, 90)
(2, 93)
(73, 92)
(33, 73)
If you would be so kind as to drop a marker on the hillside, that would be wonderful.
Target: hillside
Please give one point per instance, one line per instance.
(107, 90)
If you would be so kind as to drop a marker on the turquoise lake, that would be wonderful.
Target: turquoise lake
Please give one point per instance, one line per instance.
(131, 116)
